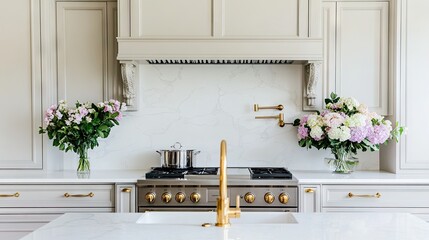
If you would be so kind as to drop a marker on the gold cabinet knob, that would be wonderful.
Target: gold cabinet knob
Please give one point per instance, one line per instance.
(195, 197)
(309, 190)
(126, 190)
(150, 197)
(269, 198)
(284, 198)
(249, 197)
(180, 197)
(166, 197)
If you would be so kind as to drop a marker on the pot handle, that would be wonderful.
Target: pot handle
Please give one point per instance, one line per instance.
(159, 152)
(177, 144)
(196, 152)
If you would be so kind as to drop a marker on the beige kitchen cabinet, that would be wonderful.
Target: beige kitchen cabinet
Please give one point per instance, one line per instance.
(126, 198)
(410, 108)
(356, 52)
(309, 196)
(219, 30)
(86, 51)
(21, 86)
(377, 198)
(24, 208)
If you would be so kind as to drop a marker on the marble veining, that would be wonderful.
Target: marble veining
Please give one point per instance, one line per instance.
(199, 105)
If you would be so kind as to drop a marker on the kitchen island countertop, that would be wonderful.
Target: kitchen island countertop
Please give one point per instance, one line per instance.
(310, 226)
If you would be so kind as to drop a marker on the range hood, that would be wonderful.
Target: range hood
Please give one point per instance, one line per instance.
(219, 32)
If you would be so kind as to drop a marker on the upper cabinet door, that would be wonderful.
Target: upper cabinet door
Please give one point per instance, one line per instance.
(20, 90)
(82, 51)
(362, 53)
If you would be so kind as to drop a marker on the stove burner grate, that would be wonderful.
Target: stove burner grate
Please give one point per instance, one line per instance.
(270, 173)
(159, 172)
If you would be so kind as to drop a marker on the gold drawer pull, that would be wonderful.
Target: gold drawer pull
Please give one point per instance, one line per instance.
(79, 195)
(126, 190)
(377, 195)
(309, 190)
(10, 195)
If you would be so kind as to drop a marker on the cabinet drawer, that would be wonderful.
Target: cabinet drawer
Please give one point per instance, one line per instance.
(375, 196)
(57, 196)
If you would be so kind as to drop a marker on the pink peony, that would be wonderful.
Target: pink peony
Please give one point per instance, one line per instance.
(333, 120)
(302, 132)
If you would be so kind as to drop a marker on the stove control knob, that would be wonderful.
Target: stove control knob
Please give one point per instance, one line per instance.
(195, 197)
(269, 198)
(166, 197)
(284, 198)
(150, 197)
(249, 197)
(180, 197)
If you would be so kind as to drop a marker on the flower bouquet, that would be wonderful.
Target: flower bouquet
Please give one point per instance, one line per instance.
(78, 129)
(345, 127)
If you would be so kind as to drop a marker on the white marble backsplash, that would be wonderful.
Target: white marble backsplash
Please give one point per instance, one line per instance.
(198, 105)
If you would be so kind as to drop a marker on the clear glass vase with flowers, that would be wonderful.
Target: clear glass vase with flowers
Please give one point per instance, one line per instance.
(345, 127)
(78, 129)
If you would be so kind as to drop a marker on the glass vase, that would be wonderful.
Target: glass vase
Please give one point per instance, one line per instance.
(343, 162)
(83, 167)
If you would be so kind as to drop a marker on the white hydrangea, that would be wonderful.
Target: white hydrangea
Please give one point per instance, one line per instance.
(333, 120)
(316, 132)
(314, 120)
(356, 120)
(388, 124)
(349, 102)
(340, 133)
(363, 109)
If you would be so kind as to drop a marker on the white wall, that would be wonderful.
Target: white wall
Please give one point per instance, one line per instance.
(199, 105)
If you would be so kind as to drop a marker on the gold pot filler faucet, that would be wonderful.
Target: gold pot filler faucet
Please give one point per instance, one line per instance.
(223, 211)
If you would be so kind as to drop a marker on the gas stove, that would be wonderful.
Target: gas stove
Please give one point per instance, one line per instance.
(196, 189)
(255, 172)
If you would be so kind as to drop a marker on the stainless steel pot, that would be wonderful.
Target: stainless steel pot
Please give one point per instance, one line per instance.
(176, 157)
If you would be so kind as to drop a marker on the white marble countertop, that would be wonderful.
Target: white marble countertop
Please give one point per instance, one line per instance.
(70, 176)
(310, 226)
(359, 177)
(131, 176)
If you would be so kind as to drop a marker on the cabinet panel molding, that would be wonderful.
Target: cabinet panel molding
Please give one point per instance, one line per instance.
(82, 51)
(20, 71)
(309, 198)
(126, 198)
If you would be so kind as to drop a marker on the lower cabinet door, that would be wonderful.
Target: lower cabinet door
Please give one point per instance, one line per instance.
(309, 198)
(125, 198)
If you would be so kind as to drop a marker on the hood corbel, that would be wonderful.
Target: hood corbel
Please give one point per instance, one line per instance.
(313, 72)
(130, 84)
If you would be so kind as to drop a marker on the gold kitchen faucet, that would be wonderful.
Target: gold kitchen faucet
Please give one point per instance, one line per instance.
(223, 211)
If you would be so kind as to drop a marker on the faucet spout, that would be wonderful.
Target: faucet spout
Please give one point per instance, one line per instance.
(223, 211)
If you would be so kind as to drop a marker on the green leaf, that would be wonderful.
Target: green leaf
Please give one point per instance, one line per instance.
(103, 128)
(100, 133)
(333, 95)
